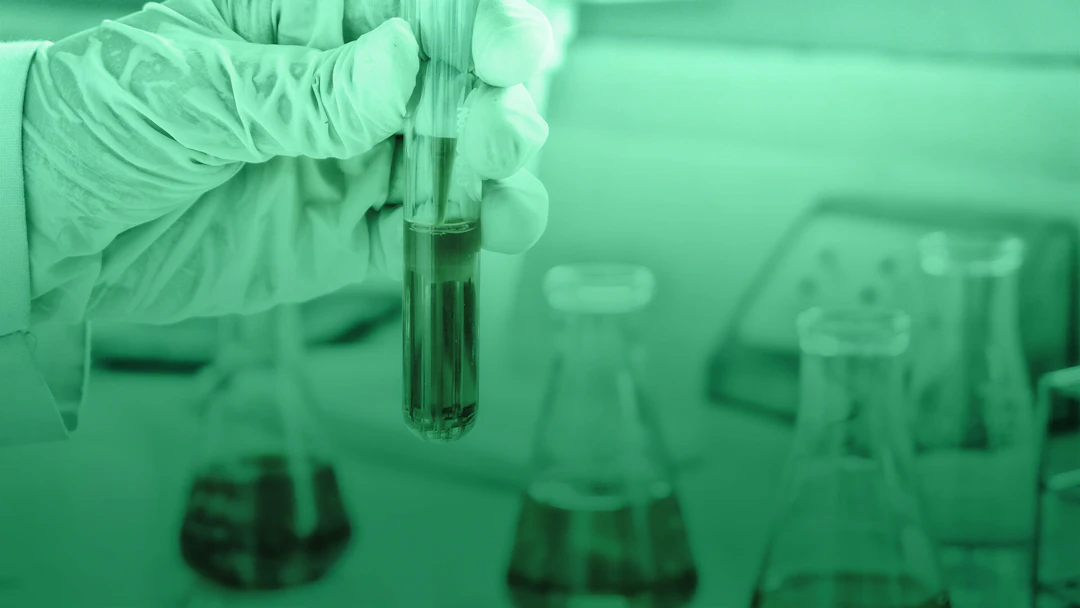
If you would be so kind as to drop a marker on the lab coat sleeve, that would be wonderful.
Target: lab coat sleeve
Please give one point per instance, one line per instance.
(39, 391)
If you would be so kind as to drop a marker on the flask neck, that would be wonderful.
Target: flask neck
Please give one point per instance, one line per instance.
(265, 338)
(850, 406)
(595, 424)
(984, 305)
(594, 341)
(595, 390)
(258, 399)
(971, 280)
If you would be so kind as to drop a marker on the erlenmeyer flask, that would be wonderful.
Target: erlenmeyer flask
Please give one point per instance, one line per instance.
(600, 523)
(976, 429)
(264, 510)
(849, 532)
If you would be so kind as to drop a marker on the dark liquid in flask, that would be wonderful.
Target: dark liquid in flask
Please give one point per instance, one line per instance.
(846, 590)
(241, 527)
(441, 366)
(584, 552)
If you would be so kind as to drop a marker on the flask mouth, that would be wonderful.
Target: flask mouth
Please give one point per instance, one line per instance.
(599, 288)
(970, 253)
(830, 332)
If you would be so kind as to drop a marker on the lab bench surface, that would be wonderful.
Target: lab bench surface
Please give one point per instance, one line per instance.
(93, 522)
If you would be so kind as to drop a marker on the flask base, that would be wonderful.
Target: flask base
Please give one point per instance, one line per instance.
(637, 553)
(849, 590)
(241, 530)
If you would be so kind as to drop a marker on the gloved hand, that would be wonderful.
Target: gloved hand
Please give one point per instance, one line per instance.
(202, 157)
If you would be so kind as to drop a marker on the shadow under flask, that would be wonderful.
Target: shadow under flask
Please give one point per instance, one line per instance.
(600, 522)
(264, 510)
(849, 531)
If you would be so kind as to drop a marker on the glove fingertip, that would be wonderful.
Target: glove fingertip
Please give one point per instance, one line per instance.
(514, 213)
(397, 31)
(503, 132)
(385, 64)
(511, 41)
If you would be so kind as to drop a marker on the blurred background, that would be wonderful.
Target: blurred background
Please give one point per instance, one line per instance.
(753, 153)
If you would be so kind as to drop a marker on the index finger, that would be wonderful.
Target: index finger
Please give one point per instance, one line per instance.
(511, 40)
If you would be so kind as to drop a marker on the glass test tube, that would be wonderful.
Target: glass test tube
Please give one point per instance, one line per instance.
(442, 230)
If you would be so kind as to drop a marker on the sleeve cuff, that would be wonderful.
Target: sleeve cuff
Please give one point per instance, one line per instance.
(25, 398)
(15, 62)
(62, 353)
(30, 409)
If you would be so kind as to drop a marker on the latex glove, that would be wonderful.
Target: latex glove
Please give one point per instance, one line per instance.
(220, 156)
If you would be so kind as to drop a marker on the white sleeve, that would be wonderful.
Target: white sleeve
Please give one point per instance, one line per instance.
(30, 409)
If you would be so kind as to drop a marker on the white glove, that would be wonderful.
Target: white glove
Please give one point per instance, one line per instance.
(204, 157)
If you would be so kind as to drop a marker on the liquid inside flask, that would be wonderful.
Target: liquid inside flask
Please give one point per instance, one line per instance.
(849, 532)
(600, 522)
(264, 511)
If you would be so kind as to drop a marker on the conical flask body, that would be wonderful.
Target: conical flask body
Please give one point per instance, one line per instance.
(264, 510)
(600, 522)
(849, 531)
(977, 432)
